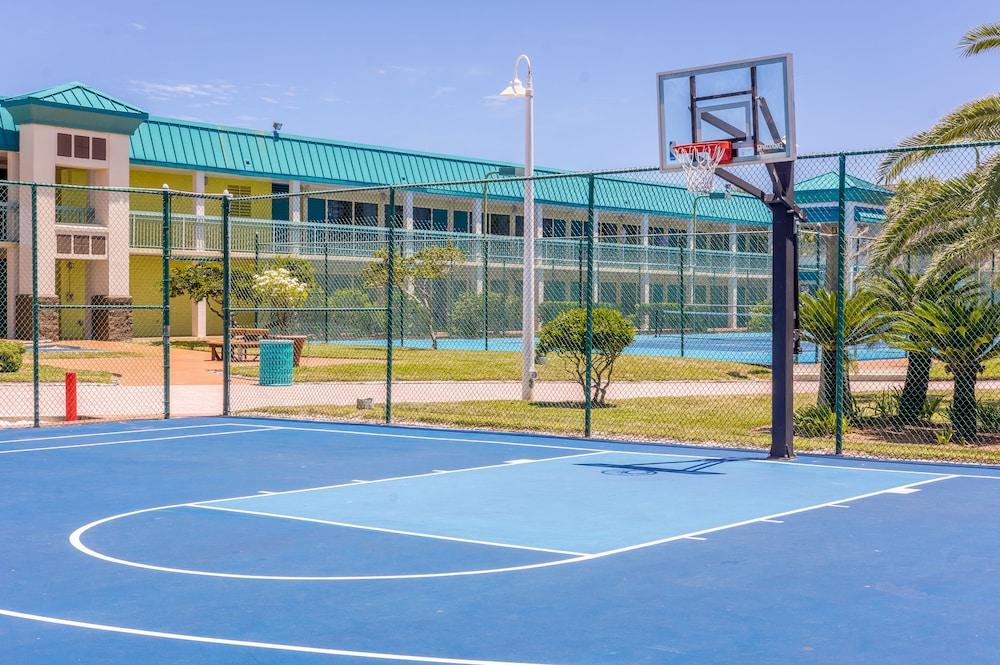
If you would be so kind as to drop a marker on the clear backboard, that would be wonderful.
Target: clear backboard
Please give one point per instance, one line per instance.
(749, 103)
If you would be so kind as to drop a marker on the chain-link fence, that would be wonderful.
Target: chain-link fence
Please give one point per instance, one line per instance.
(650, 307)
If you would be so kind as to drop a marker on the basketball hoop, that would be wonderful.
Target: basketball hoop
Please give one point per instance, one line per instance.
(699, 161)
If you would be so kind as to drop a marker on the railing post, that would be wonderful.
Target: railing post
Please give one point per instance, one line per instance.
(588, 344)
(841, 268)
(390, 284)
(226, 313)
(36, 388)
(165, 307)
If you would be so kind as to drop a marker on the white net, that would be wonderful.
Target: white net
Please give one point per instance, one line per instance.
(699, 163)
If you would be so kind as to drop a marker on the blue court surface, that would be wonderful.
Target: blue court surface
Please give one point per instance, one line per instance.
(744, 347)
(267, 541)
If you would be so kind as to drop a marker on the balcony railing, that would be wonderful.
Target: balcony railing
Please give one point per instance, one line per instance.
(75, 215)
(190, 233)
(8, 221)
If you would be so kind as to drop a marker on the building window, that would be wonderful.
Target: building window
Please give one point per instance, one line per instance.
(753, 243)
(607, 293)
(499, 225)
(555, 290)
(64, 145)
(460, 221)
(718, 242)
(519, 226)
(657, 237)
(553, 228)
(422, 219)
(81, 147)
(396, 217)
(237, 207)
(576, 228)
(439, 220)
(656, 292)
(676, 238)
(608, 232)
(366, 214)
(631, 234)
(99, 149)
(339, 212)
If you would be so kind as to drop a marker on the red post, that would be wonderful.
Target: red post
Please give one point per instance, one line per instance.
(70, 396)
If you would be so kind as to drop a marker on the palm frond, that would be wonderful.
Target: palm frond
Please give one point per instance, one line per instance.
(980, 39)
(978, 120)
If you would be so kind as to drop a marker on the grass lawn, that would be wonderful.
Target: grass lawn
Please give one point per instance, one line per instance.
(991, 370)
(731, 420)
(53, 374)
(452, 365)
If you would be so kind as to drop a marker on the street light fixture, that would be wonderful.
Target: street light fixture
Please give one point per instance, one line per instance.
(527, 90)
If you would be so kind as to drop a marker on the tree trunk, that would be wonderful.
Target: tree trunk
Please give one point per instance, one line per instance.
(828, 382)
(918, 375)
(963, 407)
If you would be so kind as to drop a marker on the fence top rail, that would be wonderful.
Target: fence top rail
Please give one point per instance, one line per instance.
(944, 147)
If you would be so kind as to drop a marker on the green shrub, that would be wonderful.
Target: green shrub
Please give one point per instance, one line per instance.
(466, 316)
(989, 416)
(816, 420)
(566, 337)
(11, 355)
(760, 316)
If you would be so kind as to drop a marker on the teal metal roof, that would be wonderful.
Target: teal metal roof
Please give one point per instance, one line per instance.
(9, 139)
(76, 95)
(169, 143)
(824, 189)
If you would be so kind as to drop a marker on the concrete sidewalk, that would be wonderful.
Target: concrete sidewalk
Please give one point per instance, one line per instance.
(129, 401)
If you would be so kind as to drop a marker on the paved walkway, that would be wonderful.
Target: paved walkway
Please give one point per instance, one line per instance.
(113, 401)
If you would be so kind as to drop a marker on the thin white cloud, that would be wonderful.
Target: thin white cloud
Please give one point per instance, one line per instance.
(218, 93)
(137, 26)
(269, 100)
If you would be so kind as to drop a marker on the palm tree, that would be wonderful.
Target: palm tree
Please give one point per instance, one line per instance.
(864, 322)
(962, 333)
(897, 292)
(960, 215)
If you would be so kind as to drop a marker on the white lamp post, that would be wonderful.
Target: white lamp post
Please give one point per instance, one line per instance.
(517, 89)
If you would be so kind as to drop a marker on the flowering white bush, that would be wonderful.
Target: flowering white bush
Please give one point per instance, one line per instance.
(279, 288)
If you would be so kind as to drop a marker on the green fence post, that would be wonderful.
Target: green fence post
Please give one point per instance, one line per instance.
(683, 296)
(326, 292)
(226, 313)
(36, 388)
(166, 300)
(588, 344)
(256, 271)
(841, 267)
(390, 284)
(817, 282)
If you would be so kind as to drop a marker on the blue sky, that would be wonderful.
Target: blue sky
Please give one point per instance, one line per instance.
(424, 75)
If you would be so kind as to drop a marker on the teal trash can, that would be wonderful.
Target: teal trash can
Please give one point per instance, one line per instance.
(276, 362)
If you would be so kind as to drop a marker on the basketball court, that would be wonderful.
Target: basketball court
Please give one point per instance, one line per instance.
(242, 540)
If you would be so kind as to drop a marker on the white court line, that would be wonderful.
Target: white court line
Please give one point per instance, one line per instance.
(694, 538)
(384, 530)
(118, 443)
(75, 540)
(624, 452)
(837, 505)
(774, 521)
(129, 432)
(256, 645)
(389, 480)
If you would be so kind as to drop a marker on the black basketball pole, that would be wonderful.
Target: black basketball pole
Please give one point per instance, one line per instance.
(783, 323)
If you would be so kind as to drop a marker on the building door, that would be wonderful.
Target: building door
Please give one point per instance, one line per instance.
(71, 287)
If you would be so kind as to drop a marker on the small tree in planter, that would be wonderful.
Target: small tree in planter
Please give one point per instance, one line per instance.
(280, 289)
(566, 337)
